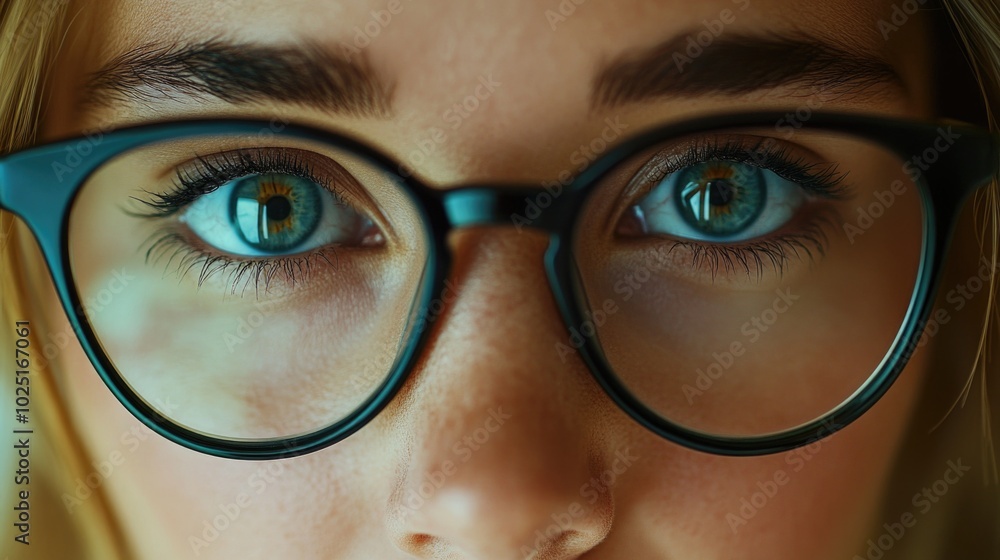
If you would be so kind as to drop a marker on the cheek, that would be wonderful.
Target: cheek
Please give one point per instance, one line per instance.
(818, 501)
(750, 363)
(190, 503)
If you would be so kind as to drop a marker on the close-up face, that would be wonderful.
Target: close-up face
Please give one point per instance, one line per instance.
(736, 281)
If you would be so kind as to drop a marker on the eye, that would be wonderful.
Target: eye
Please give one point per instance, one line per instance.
(716, 201)
(275, 214)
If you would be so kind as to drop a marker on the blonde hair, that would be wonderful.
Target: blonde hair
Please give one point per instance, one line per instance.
(31, 31)
(978, 26)
(966, 525)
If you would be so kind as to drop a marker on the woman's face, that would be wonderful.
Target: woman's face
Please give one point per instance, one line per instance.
(501, 444)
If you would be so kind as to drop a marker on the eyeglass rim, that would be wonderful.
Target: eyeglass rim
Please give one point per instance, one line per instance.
(27, 190)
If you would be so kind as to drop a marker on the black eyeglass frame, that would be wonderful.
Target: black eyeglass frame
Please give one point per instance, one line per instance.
(27, 189)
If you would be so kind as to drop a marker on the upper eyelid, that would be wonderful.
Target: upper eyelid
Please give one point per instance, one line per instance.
(193, 178)
(827, 182)
(685, 154)
(257, 160)
(204, 166)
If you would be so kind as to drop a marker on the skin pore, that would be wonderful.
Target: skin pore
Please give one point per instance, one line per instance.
(491, 357)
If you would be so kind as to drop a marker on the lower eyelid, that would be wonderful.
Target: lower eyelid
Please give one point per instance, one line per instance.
(808, 232)
(183, 254)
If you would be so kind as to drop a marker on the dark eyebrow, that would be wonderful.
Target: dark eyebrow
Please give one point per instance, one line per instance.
(242, 73)
(738, 64)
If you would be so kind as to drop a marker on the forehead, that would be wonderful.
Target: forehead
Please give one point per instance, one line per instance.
(449, 42)
(542, 58)
(510, 19)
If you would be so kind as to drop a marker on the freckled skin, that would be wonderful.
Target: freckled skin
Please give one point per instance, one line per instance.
(501, 485)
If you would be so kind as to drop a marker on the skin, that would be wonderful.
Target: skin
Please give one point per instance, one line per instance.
(492, 345)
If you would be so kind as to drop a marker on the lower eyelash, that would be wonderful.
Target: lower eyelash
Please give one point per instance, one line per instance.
(182, 257)
(807, 244)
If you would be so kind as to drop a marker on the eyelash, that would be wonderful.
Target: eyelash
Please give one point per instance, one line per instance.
(175, 246)
(816, 179)
(206, 176)
(211, 173)
(827, 183)
(754, 256)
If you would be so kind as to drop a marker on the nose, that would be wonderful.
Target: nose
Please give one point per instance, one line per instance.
(502, 445)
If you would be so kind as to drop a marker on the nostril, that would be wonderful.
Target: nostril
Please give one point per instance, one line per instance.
(426, 546)
(564, 546)
(567, 545)
(423, 545)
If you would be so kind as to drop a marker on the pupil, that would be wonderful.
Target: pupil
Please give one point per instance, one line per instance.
(278, 208)
(720, 192)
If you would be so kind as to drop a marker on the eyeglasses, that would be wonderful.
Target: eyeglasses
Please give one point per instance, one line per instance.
(736, 284)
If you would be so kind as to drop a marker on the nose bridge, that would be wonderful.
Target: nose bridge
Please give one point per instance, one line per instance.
(500, 418)
(541, 207)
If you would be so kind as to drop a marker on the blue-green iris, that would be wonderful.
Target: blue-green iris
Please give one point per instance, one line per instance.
(275, 212)
(720, 198)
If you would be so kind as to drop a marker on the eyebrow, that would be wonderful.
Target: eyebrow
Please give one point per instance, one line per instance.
(309, 75)
(242, 73)
(736, 65)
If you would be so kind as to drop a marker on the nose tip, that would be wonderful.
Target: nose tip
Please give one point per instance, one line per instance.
(500, 460)
(460, 524)
(512, 488)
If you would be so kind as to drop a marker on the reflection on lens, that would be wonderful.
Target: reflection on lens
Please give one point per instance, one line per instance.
(275, 213)
(749, 301)
(272, 286)
(721, 198)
